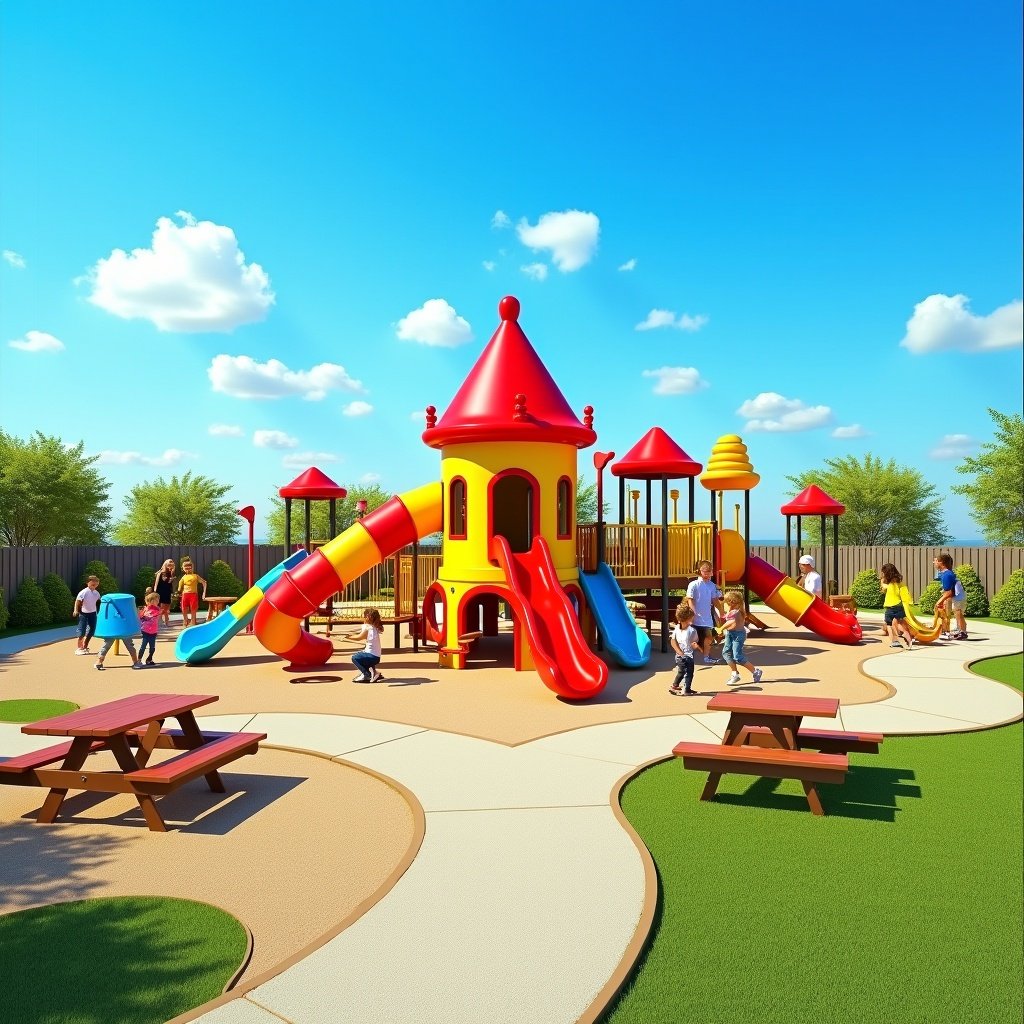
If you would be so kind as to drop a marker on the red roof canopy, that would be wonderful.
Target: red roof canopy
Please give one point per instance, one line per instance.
(656, 457)
(508, 396)
(313, 486)
(813, 501)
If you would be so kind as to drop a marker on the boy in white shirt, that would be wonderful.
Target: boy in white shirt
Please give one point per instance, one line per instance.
(86, 605)
(685, 640)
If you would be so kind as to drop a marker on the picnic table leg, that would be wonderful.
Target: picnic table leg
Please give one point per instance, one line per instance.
(812, 798)
(128, 762)
(711, 786)
(76, 755)
(194, 738)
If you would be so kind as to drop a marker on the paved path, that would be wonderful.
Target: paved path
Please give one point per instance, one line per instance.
(527, 891)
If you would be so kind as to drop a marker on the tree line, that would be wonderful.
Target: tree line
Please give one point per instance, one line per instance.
(52, 493)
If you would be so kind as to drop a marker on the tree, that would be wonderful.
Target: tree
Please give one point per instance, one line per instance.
(885, 503)
(996, 495)
(586, 502)
(50, 493)
(189, 511)
(319, 514)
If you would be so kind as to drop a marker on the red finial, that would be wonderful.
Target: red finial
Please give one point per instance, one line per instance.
(588, 416)
(508, 308)
(519, 411)
(431, 417)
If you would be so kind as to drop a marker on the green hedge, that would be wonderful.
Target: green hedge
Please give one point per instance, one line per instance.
(108, 583)
(1008, 602)
(5, 615)
(865, 589)
(29, 607)
(58, 597)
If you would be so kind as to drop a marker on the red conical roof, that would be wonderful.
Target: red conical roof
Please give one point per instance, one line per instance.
(656, 457)
(509, 396)
(312, 485)
(813, 501)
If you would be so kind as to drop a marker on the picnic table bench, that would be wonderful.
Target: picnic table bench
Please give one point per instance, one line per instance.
(119, 726)
(765, 738)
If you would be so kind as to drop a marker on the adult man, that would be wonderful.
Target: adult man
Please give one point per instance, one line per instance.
(703, 596)
(809, 579)
(951, 588)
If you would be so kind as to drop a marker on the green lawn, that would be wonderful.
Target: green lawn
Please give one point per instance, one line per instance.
(29, 710)
(129, 960)
(904, 904)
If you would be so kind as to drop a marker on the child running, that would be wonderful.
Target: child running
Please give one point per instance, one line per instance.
(685, 640)
(735, 636)
(86, 604)
(894, 607)
(368, 658)
(150, 619)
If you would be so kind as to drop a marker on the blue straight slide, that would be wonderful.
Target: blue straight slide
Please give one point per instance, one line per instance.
(201, 642)
(627, 642)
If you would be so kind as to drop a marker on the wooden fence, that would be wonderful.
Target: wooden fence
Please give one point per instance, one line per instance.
(993, 564)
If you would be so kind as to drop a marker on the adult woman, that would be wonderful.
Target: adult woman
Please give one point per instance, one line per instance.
(163, 584)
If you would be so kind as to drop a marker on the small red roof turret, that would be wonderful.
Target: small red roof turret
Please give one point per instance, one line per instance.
(509, 396)
(312, 485)
(656, 457)
(813, 501)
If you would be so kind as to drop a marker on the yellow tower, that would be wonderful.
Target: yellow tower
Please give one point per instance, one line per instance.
(508, 444)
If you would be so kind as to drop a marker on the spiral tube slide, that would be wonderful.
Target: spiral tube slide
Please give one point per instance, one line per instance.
(401, 520)
(790, 600)
(201, 642)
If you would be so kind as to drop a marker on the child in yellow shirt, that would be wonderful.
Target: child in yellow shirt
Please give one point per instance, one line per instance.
(188, 588)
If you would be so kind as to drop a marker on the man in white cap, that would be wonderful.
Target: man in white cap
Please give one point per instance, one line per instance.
(809, 579)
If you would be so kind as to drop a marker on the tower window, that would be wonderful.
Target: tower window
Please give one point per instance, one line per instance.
(457, 509)
(564, 508)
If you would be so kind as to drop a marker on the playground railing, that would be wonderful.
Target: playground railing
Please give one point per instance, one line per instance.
(633, 550)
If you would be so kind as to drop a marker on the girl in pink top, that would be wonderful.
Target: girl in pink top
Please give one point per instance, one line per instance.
(149, 618)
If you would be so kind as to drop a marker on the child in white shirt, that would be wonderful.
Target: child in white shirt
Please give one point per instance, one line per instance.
(685, 640)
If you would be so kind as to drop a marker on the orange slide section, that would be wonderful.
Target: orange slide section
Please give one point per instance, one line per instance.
(789, 599)
(561, 655)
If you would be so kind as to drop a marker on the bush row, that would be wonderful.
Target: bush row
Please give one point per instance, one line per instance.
(52, 600)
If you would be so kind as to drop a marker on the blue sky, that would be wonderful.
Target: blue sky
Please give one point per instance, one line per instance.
(241, 240)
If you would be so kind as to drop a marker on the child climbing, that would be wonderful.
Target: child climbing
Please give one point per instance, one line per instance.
(368, 658)
(735, 636)
(685, 640)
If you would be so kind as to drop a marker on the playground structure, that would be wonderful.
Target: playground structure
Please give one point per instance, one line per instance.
(505, 506)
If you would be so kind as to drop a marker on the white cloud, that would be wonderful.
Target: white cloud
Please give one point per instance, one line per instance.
(773, 414)
(666, 318)
(954, 446)
(847, 433)
(274, 439)
(943, 322)
(536, 271)
(489, 265)
(224, 430)
(435, 323)
(302, 460)
(171, 457)
(418, 416)
(676, 380)
(15, 259)
(194, 278)
(243, 377)
(370, 478)
(357, 409)
(628, 265)
(37, 341)
(571, 236)
(500, 219)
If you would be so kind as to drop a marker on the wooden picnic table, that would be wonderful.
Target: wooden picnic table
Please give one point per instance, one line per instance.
(215, 605)
(118, 726)
(765, 737)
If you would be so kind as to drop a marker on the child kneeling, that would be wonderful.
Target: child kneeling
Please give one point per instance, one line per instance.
(368, 658)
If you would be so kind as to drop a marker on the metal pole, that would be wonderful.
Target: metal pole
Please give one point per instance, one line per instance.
(746, 548)
(664, 565)
(789, 549)
(835, 549)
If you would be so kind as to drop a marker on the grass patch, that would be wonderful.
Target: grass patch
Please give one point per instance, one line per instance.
(33, 710)
(128, 960)
(902, 905)
(22, 630)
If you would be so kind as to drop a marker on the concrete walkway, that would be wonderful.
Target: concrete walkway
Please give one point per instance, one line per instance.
(527, 891)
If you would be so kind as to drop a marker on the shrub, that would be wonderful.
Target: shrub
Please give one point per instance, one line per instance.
(58, 597)
(930, 594)
(108, 584)
(29, 607)
(865, 589)
(4, 613)
(222, 582)
(976, 604)
(1008, 603)
(143, 580)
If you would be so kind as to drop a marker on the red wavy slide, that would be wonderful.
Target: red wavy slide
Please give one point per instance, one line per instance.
(789, 599)
(561, 655)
